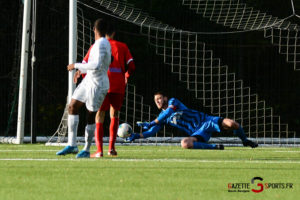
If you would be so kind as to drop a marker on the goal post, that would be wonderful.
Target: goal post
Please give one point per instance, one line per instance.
(72, 45)
(24, 62)
(23, 72)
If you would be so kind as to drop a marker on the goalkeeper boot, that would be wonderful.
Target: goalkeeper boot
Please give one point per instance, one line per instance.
(220, 147)
(249, 143)
(112, 152)
(67, 150)
(83, 154)
(97, 155)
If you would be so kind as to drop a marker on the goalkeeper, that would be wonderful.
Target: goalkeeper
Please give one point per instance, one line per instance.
(198, 125)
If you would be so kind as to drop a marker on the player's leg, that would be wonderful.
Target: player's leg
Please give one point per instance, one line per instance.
(113, 129)
(89, 133)
(204, 133)
(93, 104)
(197, 142)
(229, 124)
(73, 121)
(116, 101)
(99, 132)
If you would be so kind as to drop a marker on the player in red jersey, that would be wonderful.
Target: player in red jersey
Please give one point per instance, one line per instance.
(118, 77)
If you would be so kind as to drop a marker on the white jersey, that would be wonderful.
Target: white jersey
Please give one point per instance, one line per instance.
(97, 65)
(94, 86)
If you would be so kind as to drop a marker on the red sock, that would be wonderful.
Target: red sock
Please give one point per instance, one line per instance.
(113, 129)
(99, 136)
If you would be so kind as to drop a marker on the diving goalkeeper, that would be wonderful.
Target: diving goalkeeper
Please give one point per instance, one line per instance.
(198, 125)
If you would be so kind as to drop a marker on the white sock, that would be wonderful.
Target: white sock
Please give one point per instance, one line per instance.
(89, 134)
(73, 121)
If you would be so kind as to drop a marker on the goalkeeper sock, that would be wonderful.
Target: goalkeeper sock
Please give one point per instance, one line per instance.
(202, 145)
(99, 136)
(240, 133)
(73, 121)
(89, 134)
(113, 129)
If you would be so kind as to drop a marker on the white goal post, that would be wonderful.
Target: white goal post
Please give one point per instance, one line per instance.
(23, 72)
(24, 62)
(72, 44)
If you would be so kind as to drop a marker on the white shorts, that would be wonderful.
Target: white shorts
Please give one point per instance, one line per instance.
(92, 96)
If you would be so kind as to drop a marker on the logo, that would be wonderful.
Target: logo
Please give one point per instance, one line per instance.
(176, 117)
(256, 185)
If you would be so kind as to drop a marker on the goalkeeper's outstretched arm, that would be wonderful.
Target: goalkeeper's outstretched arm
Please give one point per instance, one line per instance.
(170, 109)
(150, 132)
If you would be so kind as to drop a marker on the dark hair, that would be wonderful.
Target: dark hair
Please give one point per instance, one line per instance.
(160, 93)
(101, 26)
(111, 29)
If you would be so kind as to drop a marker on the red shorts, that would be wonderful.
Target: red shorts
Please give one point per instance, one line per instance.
(112, 99)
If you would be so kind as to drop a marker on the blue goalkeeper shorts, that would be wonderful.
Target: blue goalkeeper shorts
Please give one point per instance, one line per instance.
(211, 124)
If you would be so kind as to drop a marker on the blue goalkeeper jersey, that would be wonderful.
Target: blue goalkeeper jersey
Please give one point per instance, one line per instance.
(190, 121)
(179, 116)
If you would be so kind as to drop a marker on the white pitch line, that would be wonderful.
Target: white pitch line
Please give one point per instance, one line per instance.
(44, 159)
(145, 150)
(157, 160)
(288, 151)
(121, 150)
(210, 161)
(12, 150)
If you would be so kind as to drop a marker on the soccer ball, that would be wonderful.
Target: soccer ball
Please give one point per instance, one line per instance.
(124, 130)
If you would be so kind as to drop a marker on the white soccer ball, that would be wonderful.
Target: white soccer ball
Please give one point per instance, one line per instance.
(124, 130)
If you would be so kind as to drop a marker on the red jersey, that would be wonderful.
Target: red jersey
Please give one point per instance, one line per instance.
(86, 58)
(116, 71)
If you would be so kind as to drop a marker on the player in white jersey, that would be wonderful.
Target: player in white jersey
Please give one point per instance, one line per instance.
(91, 91)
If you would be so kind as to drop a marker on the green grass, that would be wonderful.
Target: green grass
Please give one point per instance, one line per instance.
(146, 172)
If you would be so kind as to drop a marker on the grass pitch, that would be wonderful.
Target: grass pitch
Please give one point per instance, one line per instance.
(149, 172)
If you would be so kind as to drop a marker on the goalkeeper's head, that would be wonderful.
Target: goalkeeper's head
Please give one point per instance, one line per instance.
(161, 100)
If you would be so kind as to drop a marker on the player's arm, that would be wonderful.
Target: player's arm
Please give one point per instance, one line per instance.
(131, 69)
(129, 62)
(85, 60)
(150, 132)
(166, 113)
(159, 120)
(82, 70)
(76, 76)
(98, 56)
(162, 116)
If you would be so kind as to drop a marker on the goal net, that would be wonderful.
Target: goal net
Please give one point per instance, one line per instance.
(134, 109)
(203, 76)
(236, 14)
(218, 89)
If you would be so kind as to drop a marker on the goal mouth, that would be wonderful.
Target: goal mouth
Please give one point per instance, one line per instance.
(213, 85)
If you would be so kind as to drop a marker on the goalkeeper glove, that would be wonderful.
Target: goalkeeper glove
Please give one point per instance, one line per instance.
(132, 137)
(145, 125)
